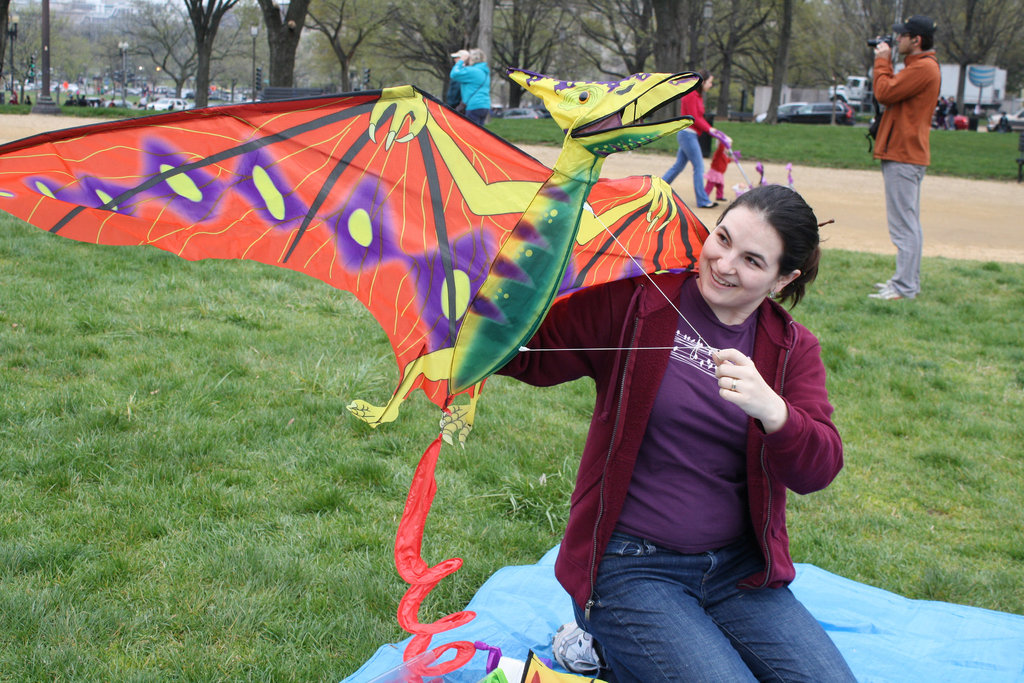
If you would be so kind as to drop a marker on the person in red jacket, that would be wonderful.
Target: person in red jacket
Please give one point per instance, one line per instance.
(689, 151)
(711, 402)
(902, 146)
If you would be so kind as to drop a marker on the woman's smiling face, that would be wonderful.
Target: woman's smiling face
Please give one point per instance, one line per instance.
(739, 265)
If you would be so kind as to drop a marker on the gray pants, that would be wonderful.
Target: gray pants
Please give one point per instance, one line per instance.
(903, 206)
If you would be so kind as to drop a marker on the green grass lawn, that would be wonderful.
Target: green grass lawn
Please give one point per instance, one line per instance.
(183, 494)
(82, 112)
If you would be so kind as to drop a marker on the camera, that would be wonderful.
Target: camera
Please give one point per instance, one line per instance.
(874, 42)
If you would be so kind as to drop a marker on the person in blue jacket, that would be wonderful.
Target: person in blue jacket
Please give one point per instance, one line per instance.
(470, 71)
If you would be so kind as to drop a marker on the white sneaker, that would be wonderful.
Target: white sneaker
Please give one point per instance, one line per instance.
(574, 650)
(887, 293)
(882, 285)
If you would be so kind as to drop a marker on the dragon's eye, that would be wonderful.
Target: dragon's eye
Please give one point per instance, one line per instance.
(584, 96)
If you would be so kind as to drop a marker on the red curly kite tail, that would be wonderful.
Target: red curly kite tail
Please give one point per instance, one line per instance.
(421, 578)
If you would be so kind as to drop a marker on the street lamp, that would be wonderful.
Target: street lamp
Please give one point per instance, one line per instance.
(708, 14)
(254, 31)
(123, 47)
(12, 34)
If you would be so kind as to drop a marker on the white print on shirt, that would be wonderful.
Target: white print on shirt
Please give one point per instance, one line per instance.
(694, 352)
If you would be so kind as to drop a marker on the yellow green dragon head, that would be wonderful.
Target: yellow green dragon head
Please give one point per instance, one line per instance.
(607, 117)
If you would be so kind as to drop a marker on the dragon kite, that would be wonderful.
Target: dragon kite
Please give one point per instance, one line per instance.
(455, 240)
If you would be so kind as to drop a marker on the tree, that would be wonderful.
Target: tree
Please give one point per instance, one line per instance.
(425, 33)
(676, 39)
(1011, 58)
(74, 61)
(348, 25)
(670, 16)
(624, 28)
(781, 57)
(729, 33)
(205, 17)
(974, 31)
(841, 48)
(4, 4)
(283, 34)
(159, 33)
(485, 37)
(860, 20)
(531, 33)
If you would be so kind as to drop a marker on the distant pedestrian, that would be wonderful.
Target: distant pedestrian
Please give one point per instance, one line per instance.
(941, 109)
(471, 72)
(689, 151)
(951, 112)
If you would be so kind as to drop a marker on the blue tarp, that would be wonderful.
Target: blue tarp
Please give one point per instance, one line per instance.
(884, 637)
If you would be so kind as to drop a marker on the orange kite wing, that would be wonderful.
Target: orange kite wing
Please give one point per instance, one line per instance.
(306, 185)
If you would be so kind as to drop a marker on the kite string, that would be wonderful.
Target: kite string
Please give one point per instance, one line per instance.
(604, 348)
(639, 266)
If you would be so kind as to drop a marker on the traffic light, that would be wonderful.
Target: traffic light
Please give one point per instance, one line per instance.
(259, 78)
(32, 68)
(366, 77)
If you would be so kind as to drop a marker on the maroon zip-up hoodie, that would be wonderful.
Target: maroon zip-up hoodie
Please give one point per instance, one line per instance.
(621, 334)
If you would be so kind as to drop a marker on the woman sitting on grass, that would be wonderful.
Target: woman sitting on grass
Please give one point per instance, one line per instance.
(711, 402)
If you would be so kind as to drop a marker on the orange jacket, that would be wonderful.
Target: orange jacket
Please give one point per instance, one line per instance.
(909, 98)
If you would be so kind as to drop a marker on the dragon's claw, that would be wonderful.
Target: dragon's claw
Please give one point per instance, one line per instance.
(367, 412)
(457, 422)
(412, 109)
(663, 209)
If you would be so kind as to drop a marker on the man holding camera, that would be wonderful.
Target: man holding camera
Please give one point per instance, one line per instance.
(902, 144)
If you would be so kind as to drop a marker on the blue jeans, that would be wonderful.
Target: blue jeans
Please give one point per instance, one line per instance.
(478, 116)
(660, 615)
(689, 151)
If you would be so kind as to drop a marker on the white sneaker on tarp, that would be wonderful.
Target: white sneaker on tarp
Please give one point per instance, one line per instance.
(574, 649)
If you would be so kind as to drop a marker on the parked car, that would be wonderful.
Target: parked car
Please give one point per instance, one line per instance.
(1006, 122)
(821, 112)
(783, 110)
(168, 104)
(522, 113)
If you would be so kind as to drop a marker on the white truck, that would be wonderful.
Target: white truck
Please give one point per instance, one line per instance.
(990, 93)
(856, 92)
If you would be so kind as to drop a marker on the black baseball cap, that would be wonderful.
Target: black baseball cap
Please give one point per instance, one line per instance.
(917, 25)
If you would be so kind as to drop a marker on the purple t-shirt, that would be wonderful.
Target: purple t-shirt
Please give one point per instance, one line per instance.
(689, 486)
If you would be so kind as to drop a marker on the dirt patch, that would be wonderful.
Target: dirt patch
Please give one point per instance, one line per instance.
(972, 219)
(14, 127)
